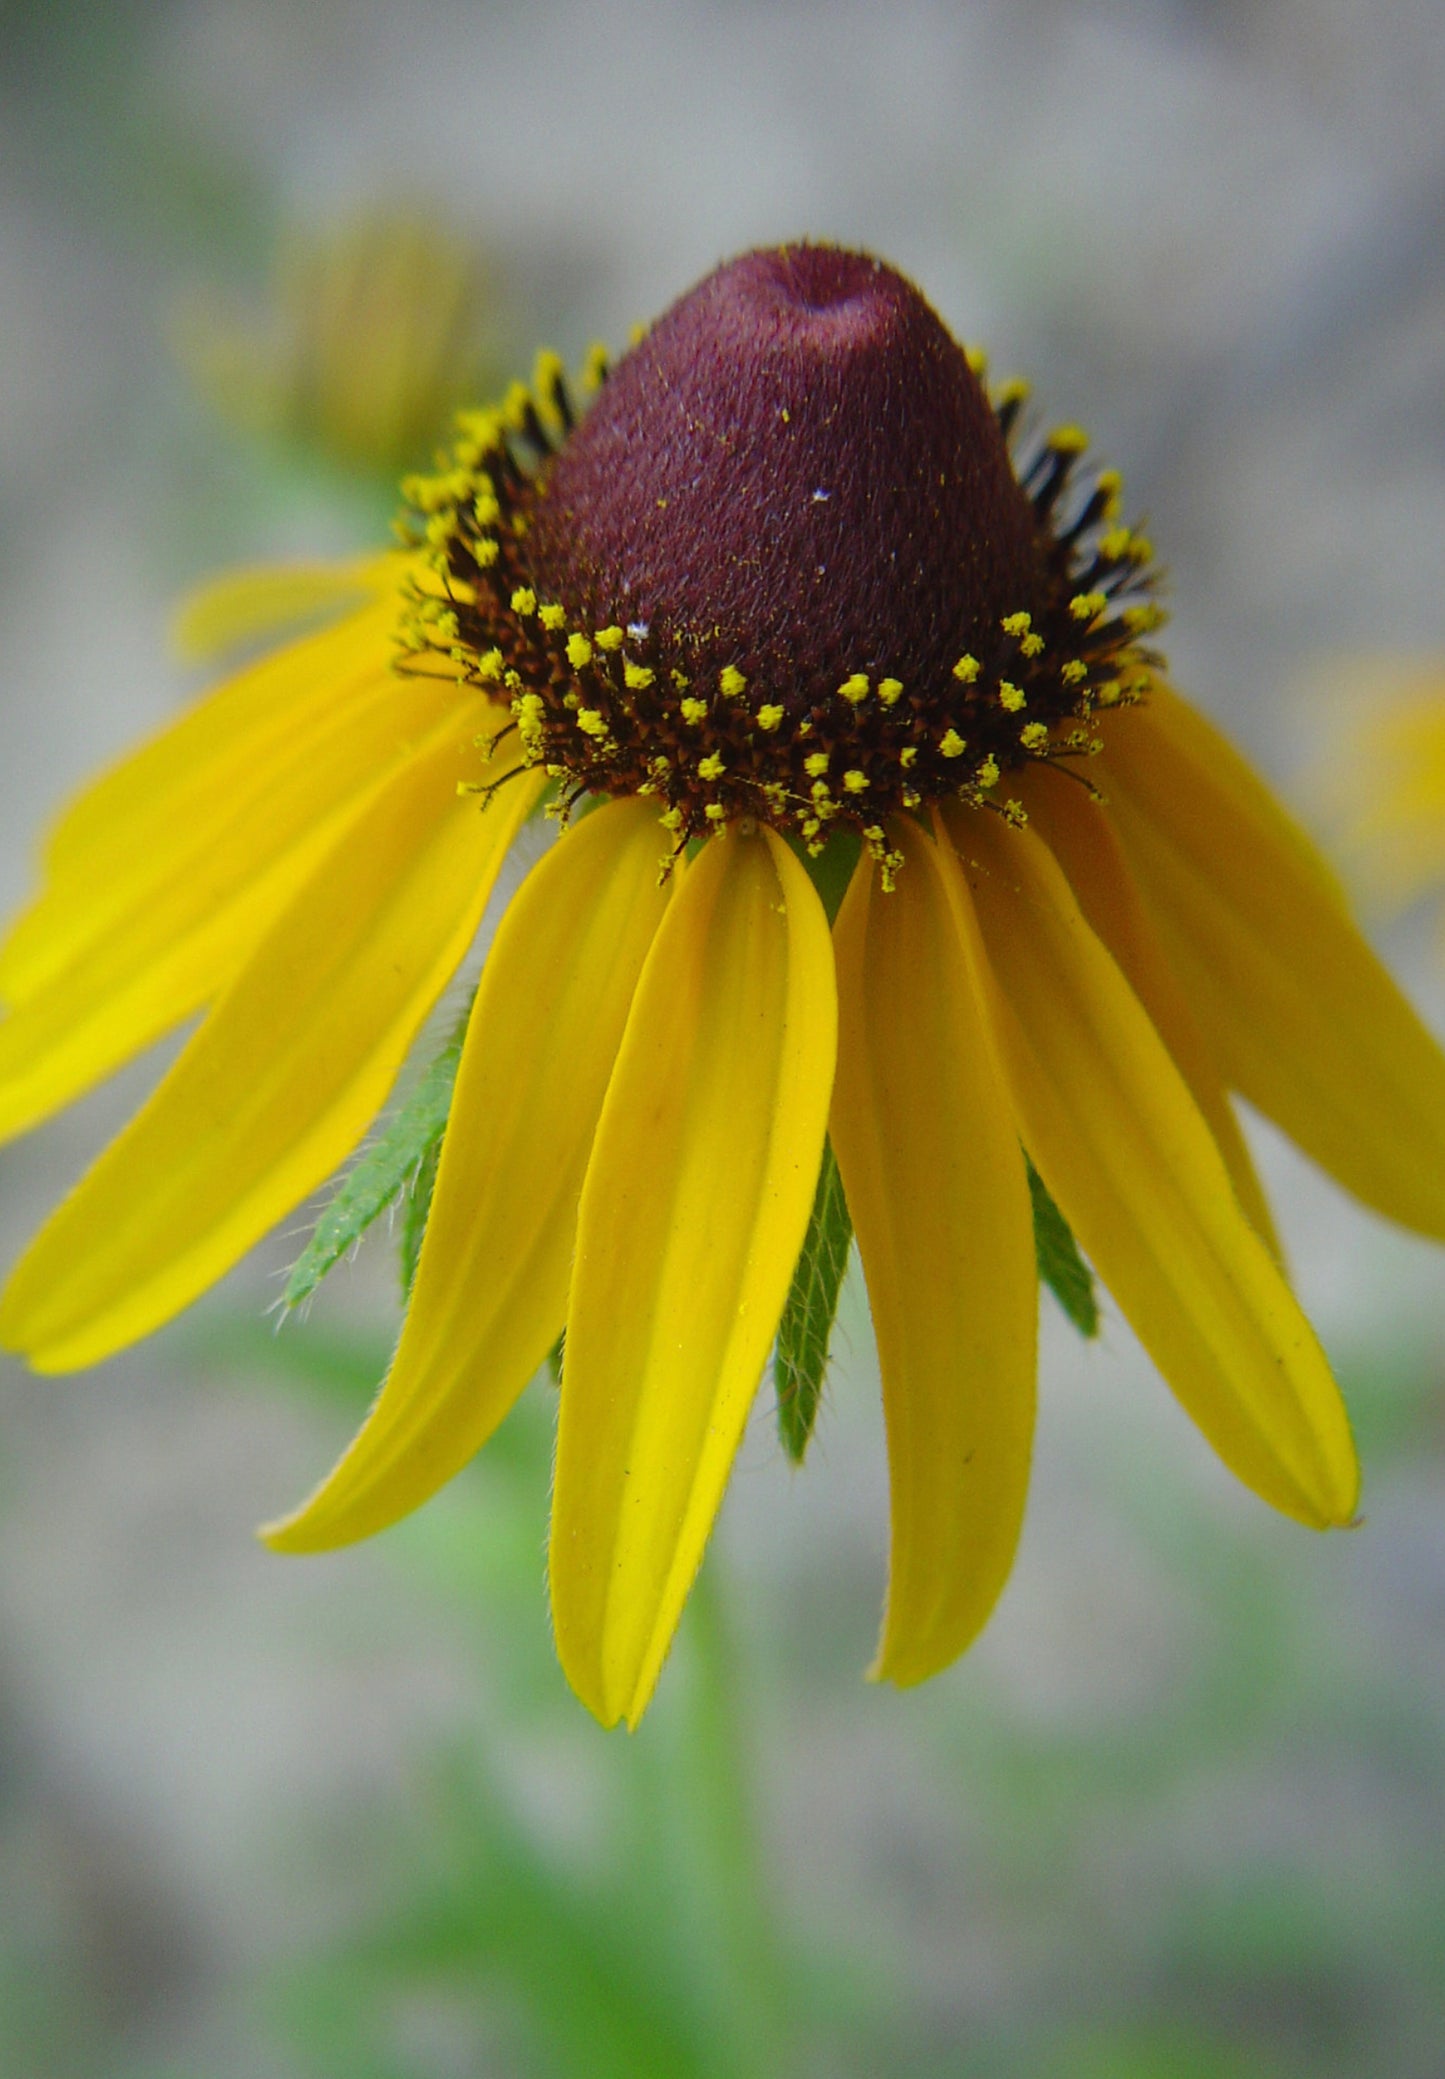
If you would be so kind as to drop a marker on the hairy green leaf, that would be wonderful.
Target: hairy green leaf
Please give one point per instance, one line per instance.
(806, 1329)
(403, 1153)
(1061, 1266)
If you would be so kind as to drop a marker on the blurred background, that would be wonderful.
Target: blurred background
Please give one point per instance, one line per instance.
(1181, 1814)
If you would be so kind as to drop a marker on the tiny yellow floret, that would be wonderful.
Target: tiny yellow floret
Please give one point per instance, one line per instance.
(711, 768)
(770, 717)
(1016, 624)
(694, 711)
(1084, 606)
(579, 651)
(890, 691)
(1034, 735)
(731, 681)
(636, 676)
(1010, 697)
(591, 721)
(524, 600)
(854, 688)
(610, 638)
(1068, 440)
(552, 617)
(815, 763)
(987, 773)
(855, 781)
(966, 669)
(951, 744)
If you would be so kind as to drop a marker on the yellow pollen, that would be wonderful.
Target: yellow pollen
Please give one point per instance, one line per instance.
(1085, 605)
(966, 670)
(486, 511)
(552, 618)
(1140, 619)
(987, 772)
(636, 676)
(815, 763)
(769, 717)
(711, 767)
(515, 405)
(1015, 813)
(1034, 735)
(732, 681)
(489, 664)
(1032, 645)
(889, 691)
(1068, 440)
(908, 756)
(672, 820)
(694, 711)
(485, 553)
(715, 812)
(1116, 543)
(591, 721)
(579, 651)
(1010, 697)
(609, 638)
(1016, 624)
(1014, 391)
(821, 792)
(855, 781)
(854, 688)
(524, 600)
(594, 373)
(1074, 672)
(951, 744)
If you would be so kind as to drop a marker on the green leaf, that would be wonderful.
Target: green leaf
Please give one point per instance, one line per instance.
(415, 1211)
(404, 1152)
(804, 1333)
(1061, 1266)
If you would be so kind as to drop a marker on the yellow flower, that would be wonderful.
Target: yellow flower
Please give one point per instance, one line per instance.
(680, 611)
(1384, 784)
(375, 332)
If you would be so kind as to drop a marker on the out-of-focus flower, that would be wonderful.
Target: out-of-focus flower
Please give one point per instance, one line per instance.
(377, 329)
(1382, 787)
(793, 614)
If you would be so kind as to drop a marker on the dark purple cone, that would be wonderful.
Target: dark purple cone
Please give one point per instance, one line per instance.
(796, 472)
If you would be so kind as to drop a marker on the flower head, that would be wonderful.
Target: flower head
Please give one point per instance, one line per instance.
(784, 569)
(907, 896)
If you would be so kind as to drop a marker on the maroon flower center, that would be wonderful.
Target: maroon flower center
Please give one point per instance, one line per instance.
(797, 472)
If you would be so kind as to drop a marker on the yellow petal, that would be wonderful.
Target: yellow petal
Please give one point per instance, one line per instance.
(693, 1211)
(282, 1079)
(1122, 1147)
(244, 606)
(1301, 1016)
(1079, 833)
(149, 947)
(924, 1135)
(491, 1287)
(153, 815)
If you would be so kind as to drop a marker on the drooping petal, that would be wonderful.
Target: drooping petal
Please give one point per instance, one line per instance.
(268, 599)
(148, 947)
(491, 1287)
(153, 814)
(282, 1079)
(1302, 1018)
(693, 1211)
(1121, 1145)
(1081, 837)
(924, 1135)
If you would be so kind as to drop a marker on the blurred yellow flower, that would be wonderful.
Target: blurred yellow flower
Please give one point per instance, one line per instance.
(1383, 785)
(377, 330)
(780, 612)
